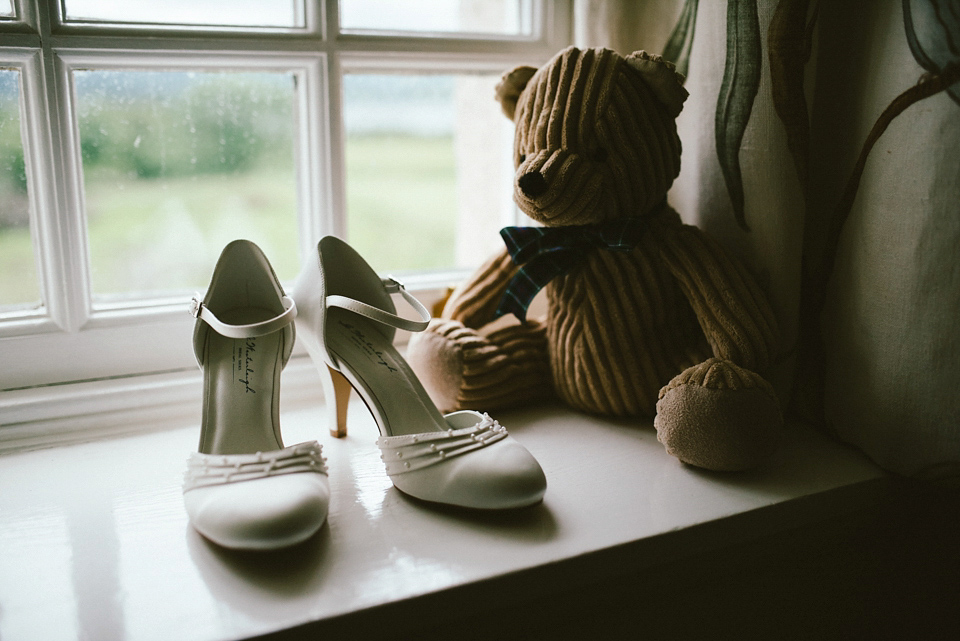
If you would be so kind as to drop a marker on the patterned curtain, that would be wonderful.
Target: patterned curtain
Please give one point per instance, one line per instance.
(821, 143)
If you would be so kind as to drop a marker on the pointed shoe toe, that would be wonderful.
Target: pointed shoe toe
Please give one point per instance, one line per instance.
(269, 513)
(503, 476)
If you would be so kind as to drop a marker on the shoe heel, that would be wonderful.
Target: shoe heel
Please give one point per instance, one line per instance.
(336, 394)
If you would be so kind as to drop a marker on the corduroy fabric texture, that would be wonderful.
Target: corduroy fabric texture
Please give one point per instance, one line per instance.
(733, 313)
(474, 301)
(571, 126)
(623, 326)
(467, 369)
(716, 373)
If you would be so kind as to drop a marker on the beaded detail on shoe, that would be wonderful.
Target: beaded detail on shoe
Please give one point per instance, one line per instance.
(215, 469)
(409, 452)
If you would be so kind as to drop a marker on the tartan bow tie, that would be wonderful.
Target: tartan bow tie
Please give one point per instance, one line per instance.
(544, 253)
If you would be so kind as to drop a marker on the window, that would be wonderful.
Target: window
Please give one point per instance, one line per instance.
(137, 138)
(207, 13)
(173, 163)
(500, 17)
(20, 288)
(416, 176)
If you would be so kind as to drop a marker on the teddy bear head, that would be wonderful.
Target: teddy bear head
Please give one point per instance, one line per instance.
(596, 135)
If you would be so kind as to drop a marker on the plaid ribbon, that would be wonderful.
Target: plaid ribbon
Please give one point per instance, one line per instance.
(544, 253)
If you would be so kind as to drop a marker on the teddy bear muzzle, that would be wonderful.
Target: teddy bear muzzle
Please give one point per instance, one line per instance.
(559, 187)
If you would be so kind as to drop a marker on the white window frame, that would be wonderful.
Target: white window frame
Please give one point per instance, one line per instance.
(68, 359)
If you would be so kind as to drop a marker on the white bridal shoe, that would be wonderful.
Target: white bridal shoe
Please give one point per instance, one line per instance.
(347, 322)
(244, 489)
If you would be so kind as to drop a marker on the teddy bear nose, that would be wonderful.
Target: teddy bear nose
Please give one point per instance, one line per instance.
(532, 184)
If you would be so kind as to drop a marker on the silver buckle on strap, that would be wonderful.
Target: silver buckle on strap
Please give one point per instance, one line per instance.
(196, 305)
(392, 285)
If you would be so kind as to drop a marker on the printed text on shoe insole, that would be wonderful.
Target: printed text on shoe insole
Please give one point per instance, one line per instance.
(357, 338)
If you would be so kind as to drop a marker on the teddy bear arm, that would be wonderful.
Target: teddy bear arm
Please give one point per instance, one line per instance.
(733, 313)
(463, 369)
(474, 301)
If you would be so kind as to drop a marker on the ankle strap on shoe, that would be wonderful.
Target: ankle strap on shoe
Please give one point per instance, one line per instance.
(202, 312)
(392, 286)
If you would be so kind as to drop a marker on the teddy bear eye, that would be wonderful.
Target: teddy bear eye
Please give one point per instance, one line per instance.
(600, 154)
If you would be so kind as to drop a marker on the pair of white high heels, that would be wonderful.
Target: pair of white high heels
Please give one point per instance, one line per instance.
(243, 488)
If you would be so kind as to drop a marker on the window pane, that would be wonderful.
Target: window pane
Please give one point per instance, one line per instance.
(501, 17)
(177, 164)
(18, 275)
(428, 169)
(6, 9)
(227, 13)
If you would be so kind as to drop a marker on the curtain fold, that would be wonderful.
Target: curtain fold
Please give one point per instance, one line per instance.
(856, 246)
(891, 314)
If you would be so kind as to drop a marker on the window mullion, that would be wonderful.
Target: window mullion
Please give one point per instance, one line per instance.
(556, 20)
(335, 219)
(27, 13)
(60, 239)
(314, 158)
(73, 228)
(315, 18)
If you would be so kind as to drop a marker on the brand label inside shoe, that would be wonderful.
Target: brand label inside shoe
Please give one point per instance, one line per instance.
(243, 363)
(363, 344)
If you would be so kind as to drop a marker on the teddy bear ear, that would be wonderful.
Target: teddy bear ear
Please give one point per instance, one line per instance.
(511, 86)
(662, 77)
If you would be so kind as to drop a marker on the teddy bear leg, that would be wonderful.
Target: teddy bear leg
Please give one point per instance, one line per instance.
(464, 369)
(719, 416)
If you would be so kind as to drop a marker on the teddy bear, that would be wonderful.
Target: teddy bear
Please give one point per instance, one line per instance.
(645, 316)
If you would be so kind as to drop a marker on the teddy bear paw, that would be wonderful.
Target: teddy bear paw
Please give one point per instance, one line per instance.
(719, 416)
